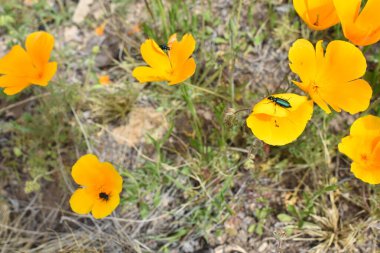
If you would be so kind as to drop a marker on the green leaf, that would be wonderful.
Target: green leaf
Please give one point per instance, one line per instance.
(284, 217)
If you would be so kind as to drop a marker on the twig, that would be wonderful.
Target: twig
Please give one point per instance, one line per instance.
(82, 129)
(23, 102)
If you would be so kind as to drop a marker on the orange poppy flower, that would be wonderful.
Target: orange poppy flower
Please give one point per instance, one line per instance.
(362, 27)
(363, 147)
(317, 14)
(278, 125)
(332, 78)
(104, 79)
(173, 64)
(20, 68)
(101, 186)
(99, 30)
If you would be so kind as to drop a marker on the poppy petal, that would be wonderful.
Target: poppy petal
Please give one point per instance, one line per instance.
(317, 14)
(147, 74)
(39, 46)
(11, 62)
(82, 201)
(12, 90)
(13, 84)
(183, 73)
(104, 208)
(319, 53)
(181, 51)
(155, 57)
(302, 59)
(370, 14)
(113, 180)
(344, 62)
(172, 39)
(292, 127)
(347, 11)
(365, 27)
(270, 108)
(86, 171)
(366, 125)
(349, 146)
(361, 29)
(9, 81)
(376, 150)
(352, 97)
(301, 9)
(368, 174)
(281, 130)
(48, 73)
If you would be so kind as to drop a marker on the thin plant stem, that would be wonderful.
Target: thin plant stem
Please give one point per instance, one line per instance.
(189, 102)
(208, 91)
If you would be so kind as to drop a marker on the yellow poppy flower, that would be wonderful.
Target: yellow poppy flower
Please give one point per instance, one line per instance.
(332, 78)
(317, 14)
(362, 27)
(174, 64)
(101, 186)
(277, 125)
(363, 147)
(20, 68)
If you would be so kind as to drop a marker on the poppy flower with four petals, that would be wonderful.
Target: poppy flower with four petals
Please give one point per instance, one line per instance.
(332, 78)
(363, 147)
(21, 68)
(277, 125)
(100, 185)
(171, 62)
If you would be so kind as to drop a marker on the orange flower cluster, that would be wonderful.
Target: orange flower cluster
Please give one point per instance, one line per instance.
(331, 79)
(361, 27)
(334, 79)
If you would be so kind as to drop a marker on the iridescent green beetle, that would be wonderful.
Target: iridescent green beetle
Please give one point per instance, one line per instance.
(280, 101)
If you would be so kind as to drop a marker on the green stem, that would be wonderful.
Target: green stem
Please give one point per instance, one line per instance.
(189, 102)
(164, 20)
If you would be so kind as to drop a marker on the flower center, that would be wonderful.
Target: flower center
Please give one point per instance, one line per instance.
(315, 87)
(316, 23)
(364, 158)
(104, 196)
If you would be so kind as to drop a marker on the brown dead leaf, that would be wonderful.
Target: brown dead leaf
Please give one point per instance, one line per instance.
(4, 212)
(142, 121)
(72, 33)
(82, 10)
(135, 29)
(232, 225)
(290, 199)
